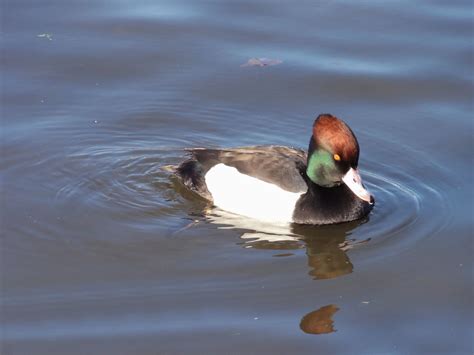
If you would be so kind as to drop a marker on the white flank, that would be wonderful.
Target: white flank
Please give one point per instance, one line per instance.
(248, 196)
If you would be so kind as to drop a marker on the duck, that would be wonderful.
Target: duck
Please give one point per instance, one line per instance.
(281, 184)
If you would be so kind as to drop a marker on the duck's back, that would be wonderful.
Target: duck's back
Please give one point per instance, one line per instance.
(262, 181)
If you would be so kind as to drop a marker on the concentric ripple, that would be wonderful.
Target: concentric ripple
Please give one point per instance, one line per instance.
(127, 183)
(402, 215)
(405, 201)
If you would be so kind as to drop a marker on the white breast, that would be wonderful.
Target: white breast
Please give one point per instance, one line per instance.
(248, 196)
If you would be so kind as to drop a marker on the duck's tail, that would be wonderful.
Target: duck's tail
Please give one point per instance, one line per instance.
(192, 175)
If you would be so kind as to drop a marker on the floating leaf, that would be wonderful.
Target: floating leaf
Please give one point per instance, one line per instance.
(261, 62)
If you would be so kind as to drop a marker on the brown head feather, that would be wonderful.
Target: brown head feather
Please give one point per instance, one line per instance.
(334, 135)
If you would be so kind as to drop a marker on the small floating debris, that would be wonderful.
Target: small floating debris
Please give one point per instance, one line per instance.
(186, 227)
(365, 302)
(261, 62)
(48, 36)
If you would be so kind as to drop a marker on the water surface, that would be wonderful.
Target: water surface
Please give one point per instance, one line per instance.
(103, 253)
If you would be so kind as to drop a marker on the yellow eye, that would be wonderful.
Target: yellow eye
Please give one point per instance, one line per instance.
(337, 157)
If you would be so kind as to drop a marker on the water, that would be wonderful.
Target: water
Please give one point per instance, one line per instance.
(103, 253)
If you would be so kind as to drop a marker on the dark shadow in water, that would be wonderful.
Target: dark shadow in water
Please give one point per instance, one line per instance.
(319, 321)
(326, 248)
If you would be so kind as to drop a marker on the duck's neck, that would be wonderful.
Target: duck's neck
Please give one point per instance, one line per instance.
(323, 205)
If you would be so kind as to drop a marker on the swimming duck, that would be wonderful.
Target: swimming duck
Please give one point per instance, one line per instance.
(283, 184)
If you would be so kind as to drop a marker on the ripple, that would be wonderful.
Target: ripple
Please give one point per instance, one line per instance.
(406, 201)
(126, 183)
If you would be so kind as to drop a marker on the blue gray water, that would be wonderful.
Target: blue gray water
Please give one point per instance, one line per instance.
(102, 253)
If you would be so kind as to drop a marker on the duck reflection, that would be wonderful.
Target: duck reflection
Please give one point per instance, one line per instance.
(319, 321)
(325, 246)
(326, 250)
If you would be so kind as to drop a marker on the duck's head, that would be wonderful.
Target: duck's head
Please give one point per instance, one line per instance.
(333, 156)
